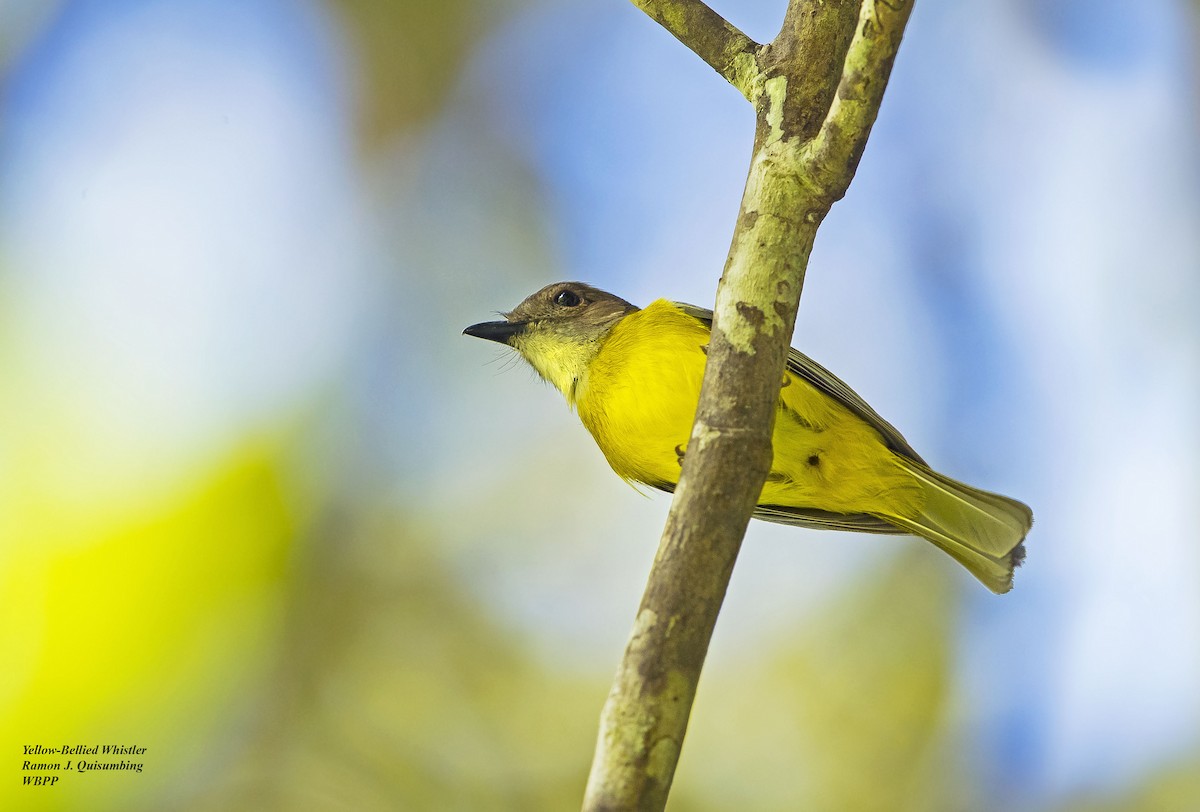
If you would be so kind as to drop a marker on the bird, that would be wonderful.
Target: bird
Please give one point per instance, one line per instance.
(633, 376)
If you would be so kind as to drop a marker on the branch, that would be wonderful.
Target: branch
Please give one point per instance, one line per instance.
(713, 38)
(816, 90)
(834, 153)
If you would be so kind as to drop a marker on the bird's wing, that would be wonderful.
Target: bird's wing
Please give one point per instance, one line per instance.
(830, 384)
(814, 518)
(824, 520)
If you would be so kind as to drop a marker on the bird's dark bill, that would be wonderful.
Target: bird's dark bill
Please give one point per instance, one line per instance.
(500, 331)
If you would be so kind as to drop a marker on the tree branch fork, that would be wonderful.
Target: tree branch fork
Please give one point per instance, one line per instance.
(815, 90)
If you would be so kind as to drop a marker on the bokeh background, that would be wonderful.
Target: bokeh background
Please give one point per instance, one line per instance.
(265, 512)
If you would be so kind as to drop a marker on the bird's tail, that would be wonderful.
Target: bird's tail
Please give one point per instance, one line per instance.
(983, 531)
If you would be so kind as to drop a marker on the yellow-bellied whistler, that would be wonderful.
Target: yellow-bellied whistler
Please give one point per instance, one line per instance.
(634, 376)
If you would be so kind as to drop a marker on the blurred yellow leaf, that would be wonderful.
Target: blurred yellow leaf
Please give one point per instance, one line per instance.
(141, 633)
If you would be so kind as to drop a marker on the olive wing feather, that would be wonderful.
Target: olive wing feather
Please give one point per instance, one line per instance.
(814, 517)
(830, 384)
(825, 381)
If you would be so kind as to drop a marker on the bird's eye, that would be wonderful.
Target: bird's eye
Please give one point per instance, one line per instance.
(566, 298)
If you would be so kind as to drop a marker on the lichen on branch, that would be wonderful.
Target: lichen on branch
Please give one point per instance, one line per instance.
(713, 38)
(815, 90)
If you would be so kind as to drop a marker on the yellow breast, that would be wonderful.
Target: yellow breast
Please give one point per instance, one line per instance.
(639, 396)
(638, 399)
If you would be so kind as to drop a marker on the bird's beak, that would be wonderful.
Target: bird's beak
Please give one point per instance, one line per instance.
(500, 331)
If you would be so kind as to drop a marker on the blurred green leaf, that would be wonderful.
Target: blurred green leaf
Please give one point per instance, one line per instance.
(850, 716)
(1175, 789)
(397, 691)
(410, 55)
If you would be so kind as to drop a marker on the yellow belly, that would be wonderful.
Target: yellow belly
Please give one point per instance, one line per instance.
(639, 399)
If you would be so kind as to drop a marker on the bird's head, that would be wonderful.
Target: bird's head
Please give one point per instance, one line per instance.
(558, 330)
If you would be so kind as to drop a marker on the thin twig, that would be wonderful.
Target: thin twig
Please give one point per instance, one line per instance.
(839, 144)
(713, 38)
